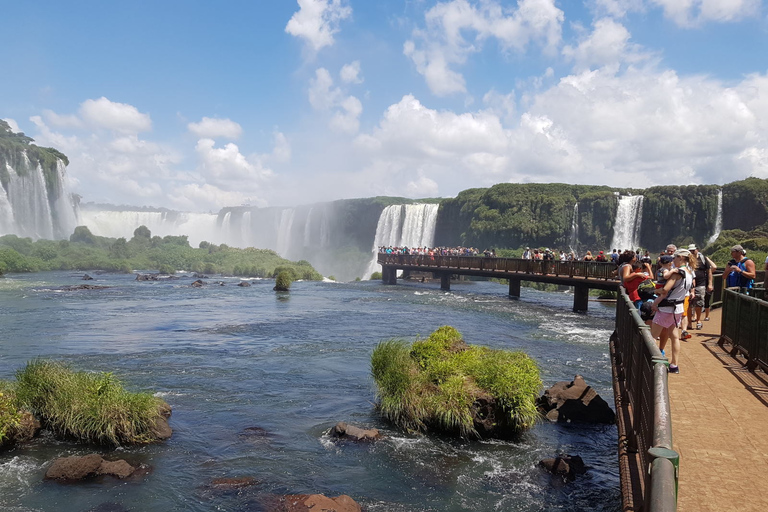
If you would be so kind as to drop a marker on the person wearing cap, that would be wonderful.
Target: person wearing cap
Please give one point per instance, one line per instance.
(527, 253)
(703, 285)
(669, 306)
(740, 271)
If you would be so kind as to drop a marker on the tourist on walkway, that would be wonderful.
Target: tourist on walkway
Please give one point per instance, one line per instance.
(588, 256)
(527, 253)
(740, 271)
(669, 306)
(703, 284)
(765, 279)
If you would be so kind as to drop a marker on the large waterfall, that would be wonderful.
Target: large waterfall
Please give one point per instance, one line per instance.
(35, 205)
(404, 225)
(718, 218)
(626, 228)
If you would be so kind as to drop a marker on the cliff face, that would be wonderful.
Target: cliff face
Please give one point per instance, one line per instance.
(541, 215)
(34, 201)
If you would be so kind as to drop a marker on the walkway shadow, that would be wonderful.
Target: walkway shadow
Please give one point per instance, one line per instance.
(755, 382)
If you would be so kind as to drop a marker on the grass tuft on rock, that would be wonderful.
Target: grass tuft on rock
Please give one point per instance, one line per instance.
(10, 415)
(283, 282)
(89, 407)
(443, 384)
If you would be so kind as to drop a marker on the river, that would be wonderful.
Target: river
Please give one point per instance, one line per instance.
(229, 358)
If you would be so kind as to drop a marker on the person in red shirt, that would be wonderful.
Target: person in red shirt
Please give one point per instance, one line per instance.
(632, 283)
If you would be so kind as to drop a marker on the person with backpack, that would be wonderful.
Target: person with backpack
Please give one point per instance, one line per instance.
(703, 285)
(740, 271)
(669, 305)
(632, 284)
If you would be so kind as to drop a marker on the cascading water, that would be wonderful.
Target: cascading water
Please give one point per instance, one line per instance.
(31, 206)
(404, 225)
(626, 228)
(718, 218)
(284, 232)
(574, 239)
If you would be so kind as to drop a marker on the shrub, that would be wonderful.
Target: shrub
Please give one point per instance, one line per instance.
(442, 383)
(90, 407)
(376, 276)
(283, 282)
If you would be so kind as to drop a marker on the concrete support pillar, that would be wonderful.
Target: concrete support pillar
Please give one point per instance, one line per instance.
(514, 288)
(445, 282)
(580, 298)
(388, 275)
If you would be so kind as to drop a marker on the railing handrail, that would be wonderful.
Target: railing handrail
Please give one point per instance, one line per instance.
(744, 324)
(642, 370)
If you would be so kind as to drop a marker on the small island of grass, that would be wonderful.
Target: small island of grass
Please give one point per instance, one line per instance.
(89, 407)
(443, 384)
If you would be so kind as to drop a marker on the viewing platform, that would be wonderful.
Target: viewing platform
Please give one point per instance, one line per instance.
(582, 275)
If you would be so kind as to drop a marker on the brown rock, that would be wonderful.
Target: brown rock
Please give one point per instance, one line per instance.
(118, 468)
(566, 466)
(161, 429)
(74, 468)
(575, 401)
(318, 503)
(234, 483)
(350, 432)
(28, 428)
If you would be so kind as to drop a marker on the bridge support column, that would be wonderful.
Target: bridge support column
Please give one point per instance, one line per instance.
(445, 282)
(514, 288)
(388, 275)
(580, 298)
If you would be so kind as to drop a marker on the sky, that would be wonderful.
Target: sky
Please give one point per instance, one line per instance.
(196, 105)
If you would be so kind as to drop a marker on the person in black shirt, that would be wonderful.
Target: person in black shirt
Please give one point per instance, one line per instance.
(702, 283)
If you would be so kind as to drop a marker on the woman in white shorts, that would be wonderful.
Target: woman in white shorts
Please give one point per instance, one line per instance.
(669, 305)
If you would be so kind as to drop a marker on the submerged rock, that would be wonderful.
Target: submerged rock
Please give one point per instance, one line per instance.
(83, 287)
(352, 433)
(244, 283)
(227, 484)
(566, 466)
(574, 401)
(86, 277)
(198, 284)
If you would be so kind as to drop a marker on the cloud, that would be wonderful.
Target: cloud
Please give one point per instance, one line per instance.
(213, 128)
(350, 73)
(323, 96)
(615, 8)
(445, 41)
(119, 117)
(607, 45)
(317, 21)
(688, 13)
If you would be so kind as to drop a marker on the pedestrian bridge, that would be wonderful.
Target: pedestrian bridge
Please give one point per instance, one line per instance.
(582, 275)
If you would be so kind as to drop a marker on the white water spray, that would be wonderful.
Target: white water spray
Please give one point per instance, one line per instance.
(718, 218)
(626, 228)
(574, 239)
(403, 225)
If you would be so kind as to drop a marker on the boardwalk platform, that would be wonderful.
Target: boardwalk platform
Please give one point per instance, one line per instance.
(720, 427)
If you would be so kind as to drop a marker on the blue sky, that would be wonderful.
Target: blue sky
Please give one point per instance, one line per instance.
(196, 105)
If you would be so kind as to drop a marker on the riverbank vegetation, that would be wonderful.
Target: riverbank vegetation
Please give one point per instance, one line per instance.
(85, 251)
(443, 384)
(85, 406)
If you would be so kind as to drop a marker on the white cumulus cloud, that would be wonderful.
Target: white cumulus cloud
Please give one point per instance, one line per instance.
(695, 12)
(317, 21)
(214, 127)
(350, 73)
(324, 96)
(607, 45)
(119, 117)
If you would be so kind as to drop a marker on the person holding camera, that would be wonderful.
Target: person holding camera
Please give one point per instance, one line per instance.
(740, 271)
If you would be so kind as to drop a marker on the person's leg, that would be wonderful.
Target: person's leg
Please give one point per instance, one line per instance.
(659, 332)
(674, 337)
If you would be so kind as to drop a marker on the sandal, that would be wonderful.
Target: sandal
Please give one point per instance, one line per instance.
(699, 326)
(686, 335)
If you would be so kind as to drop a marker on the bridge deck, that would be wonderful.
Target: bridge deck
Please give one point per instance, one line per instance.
(720, 427)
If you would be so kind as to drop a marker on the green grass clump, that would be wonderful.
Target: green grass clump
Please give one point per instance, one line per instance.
(444, 384)
(283, 282)
(10, 416)
(90, 407)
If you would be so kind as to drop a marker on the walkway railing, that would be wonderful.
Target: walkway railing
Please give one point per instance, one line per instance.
(648, 465)
(745, 327)
(585, 269)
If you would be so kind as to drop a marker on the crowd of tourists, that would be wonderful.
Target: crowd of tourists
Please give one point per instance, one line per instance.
(437, 251)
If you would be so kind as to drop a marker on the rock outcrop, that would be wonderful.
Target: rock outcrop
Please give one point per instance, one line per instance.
(574, 401)
(352, 433)
(314, 503)
(87, 466)
(566, 466)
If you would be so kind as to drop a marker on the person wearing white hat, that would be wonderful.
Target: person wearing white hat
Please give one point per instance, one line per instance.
(703, 285)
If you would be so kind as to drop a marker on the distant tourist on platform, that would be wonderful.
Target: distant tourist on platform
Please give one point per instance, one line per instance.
(765, 279)
(601, 257)
(615, 257)
(588, 256)
(740, 271)
(527, 253)
(703, 285)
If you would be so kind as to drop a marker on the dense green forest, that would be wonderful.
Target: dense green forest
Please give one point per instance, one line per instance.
(85, 251)
(511, 216)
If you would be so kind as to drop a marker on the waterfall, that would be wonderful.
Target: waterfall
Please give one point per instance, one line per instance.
(574, 239)
(284, 232)
(403, 225)
(121, 224)
(626, 228)
(28, 208)
(718, 218)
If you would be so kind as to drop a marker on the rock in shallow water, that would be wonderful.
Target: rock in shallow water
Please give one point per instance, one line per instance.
(87, 466)
(352, 433)
(575, 401)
